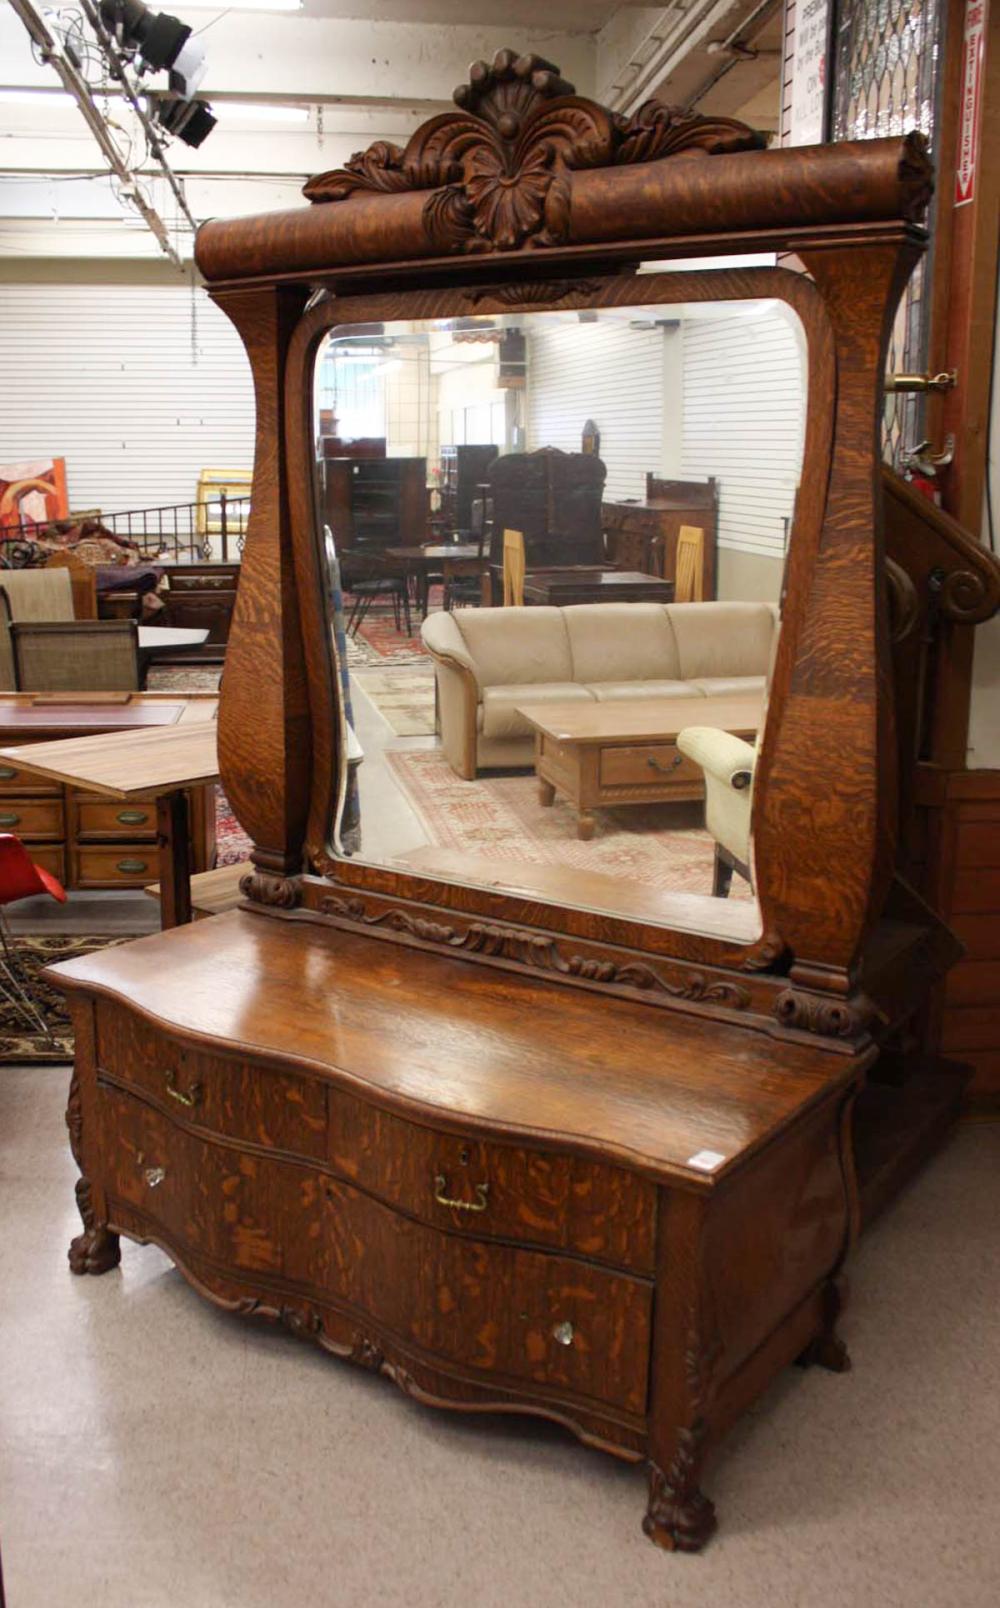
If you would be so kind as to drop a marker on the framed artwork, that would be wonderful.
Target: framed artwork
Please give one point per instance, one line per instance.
(33, 491)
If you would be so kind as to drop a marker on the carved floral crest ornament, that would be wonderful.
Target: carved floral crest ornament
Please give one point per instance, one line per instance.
(497, 168)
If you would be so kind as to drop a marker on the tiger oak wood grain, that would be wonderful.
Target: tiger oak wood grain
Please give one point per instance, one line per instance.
(441, 1020)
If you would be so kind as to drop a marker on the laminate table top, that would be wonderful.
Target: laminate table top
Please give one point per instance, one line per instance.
(127, 764)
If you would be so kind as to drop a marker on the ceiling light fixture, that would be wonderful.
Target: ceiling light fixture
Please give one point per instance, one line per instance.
(36, 97)
(264, 111)
(240, 5)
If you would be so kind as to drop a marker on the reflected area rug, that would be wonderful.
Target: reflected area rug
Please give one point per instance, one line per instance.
(18, 1041)
(403, 696)
(661, 846)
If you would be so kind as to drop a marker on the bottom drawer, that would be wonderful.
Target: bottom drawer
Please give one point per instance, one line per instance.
(521, 1315)
(119, 865)
(50, 856)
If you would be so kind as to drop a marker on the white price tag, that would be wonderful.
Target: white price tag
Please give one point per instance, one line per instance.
(706, 1160)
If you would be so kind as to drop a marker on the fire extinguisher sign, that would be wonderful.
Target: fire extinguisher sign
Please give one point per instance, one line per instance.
(972, 79)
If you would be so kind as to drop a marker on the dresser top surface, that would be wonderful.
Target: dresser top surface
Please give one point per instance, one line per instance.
(452, 1042)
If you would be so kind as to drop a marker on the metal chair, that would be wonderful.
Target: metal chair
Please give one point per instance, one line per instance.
(20, 878)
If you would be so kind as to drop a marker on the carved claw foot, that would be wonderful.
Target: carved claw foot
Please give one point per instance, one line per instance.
(827, 1350)
(680, 1517)
(96, 1250)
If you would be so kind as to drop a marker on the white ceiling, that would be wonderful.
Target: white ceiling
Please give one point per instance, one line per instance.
(358, 80)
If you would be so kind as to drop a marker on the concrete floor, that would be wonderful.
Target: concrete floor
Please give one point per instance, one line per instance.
(156, 1453)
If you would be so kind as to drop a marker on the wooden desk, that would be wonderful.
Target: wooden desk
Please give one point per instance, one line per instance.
(605, 755)
(130, 766)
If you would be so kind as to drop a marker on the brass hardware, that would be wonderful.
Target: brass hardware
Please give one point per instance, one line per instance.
(654, 764)
(9, 819)
(132, 865)
(154, 1176)
(132, 817)
(922, 458)
(563, 1332)
(444, 1199)
(945, 381)
(187, 1097)
(7, 772)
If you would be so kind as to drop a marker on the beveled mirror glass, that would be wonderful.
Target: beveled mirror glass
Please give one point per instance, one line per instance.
(555, 546)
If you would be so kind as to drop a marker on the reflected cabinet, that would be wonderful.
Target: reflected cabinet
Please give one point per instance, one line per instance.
(581, 1123)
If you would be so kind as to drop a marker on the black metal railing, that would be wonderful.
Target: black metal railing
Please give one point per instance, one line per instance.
(174, 532)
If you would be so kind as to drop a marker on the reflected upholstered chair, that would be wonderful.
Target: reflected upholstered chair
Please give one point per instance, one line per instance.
(76, 655)
(728, 763)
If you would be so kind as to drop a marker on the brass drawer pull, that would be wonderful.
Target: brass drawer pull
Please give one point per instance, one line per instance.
(444, 1199)
(9, 819)
(187, 1097)
(563, 1333)
(7, 773)
(132, 817)
(654, 764)
(154, 1176)
(132, 865)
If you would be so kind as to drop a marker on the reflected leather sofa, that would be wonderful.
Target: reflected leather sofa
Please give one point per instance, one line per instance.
(488, 662)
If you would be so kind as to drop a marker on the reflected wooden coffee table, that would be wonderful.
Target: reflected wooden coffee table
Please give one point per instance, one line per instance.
(606, 755)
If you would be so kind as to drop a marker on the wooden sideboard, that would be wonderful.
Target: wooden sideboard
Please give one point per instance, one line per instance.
(202, 597)
(85, 841)
(643, 535)
(634, 1271)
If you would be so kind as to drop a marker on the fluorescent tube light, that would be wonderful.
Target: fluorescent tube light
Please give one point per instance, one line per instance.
(259, 111)
(240, 5)
(36, 97)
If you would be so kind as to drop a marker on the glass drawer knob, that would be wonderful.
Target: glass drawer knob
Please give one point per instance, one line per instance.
(563, 1332)
(154, 1176)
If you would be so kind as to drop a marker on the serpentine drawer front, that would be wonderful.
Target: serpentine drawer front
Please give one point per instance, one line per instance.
(279, 1110)
(479, 1189)
(510, 1313)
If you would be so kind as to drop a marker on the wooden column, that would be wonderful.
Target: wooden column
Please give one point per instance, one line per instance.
(264, 742)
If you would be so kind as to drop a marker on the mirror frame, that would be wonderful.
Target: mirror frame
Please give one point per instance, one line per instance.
(412, 235)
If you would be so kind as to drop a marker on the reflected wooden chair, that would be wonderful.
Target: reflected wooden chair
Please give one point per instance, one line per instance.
(513, 569)
(75, 655)
(689, 565)
(83, 582)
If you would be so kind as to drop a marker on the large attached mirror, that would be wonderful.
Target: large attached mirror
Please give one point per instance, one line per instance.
(555, 545)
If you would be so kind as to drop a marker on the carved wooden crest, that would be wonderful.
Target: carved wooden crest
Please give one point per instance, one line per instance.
(497, 168)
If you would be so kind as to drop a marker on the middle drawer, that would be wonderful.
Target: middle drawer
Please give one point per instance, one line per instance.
(134, 821)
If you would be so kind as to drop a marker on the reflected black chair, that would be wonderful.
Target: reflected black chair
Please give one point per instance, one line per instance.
(375, 581)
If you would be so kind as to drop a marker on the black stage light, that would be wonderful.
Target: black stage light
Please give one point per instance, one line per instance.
(160, 40)
(189, 120)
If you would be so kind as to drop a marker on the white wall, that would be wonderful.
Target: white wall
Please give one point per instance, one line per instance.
(137, 386)
(607, 372)
(744, 416)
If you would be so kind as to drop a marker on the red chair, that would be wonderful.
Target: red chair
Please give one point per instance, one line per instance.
(20, 878)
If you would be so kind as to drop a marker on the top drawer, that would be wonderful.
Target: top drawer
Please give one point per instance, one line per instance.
(15, 780)
(474, 1187)
(230, 1097)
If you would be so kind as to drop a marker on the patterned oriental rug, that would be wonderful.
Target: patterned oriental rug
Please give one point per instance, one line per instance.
(18, 1042)
(403, 696)
(659, 845)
